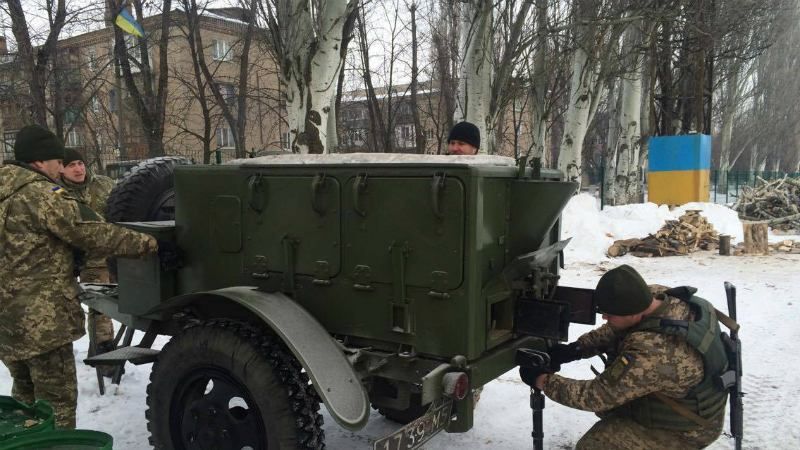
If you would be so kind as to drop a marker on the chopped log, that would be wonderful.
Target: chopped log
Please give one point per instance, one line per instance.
(724, 245)
(755, 238)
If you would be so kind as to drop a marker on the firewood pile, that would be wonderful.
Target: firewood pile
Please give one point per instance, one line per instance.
(691, 232)
(777, 202)
(787, 246)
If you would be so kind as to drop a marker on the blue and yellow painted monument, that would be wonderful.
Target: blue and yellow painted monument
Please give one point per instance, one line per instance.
(678, 170)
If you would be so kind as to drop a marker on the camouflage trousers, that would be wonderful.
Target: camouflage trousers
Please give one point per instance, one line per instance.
(103, 326)
(50, 376)
(623, 433)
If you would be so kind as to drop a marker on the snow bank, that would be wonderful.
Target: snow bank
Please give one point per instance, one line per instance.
(593, 231)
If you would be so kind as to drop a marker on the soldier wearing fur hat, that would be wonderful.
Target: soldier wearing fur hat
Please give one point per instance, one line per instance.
(658, 390)
(40, 226)
(93, 190)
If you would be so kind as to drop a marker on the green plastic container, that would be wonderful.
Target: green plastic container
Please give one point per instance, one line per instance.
(61, 440)
(19, 419)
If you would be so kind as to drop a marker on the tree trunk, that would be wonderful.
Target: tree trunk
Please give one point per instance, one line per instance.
(576, 121)
(148, 103)
(35, 62)
(628, 145)
(192, 25)
(376, 122)
(419, 132)
(309, 44)
(540, 85)
(475, 86)
(610, 155)
(726, 131)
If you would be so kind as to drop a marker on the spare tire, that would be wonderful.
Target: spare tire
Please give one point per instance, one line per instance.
(146, 193)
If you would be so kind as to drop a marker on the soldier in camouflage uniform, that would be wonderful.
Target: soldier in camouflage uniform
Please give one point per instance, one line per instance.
(93, 190)
(655, 392)
(40, 316)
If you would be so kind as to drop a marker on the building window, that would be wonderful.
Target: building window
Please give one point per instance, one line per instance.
(224, 137)
(355, 137)
(71, 115)
(9, 138)
(92, 57)
(286, 140)
(404, 136)
(220, 50)
(134, 53)
(112, 100)
(73, 139)
(228, 92)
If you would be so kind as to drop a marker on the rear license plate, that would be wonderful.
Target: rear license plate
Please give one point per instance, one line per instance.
(416, 433)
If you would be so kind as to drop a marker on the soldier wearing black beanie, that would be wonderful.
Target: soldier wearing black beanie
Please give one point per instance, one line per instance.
(36, 143)
(39, 149)
(464, 139)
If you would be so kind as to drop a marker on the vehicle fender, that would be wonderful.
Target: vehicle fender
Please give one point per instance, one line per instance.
(322, 358)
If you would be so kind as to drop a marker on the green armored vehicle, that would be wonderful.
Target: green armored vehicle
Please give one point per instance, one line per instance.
(398, 282)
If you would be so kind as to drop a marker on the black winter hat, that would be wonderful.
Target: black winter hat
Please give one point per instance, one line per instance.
(70, 154)
(465, 132)
(36, 143)
(622, 292)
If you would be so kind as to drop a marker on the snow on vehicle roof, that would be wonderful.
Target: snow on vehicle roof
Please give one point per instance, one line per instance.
(378, 158)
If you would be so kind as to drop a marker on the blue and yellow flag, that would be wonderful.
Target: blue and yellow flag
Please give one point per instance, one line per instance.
(128, 24)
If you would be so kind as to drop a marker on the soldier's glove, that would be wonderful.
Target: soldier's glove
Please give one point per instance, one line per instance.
(532, 363)
(78, 261)
(529, 374)
(562, 354)
(169, 255)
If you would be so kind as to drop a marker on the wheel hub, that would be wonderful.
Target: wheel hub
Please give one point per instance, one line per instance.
(215, 411)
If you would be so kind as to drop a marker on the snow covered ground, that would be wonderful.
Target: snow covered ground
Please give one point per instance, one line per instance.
(769, 311)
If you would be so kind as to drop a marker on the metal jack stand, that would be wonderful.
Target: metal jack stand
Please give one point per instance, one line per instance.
(535, 359)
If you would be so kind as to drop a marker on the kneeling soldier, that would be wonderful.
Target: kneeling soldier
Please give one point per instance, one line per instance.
(659, 388)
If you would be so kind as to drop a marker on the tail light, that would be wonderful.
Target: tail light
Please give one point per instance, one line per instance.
(456, 385)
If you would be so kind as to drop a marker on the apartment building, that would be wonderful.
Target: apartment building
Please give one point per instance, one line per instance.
(97, 113)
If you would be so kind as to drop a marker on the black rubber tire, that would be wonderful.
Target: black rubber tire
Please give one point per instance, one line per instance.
(414, 411)
(146, 193)
(281, 405)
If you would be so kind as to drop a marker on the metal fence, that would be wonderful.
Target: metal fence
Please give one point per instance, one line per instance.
(726, 185)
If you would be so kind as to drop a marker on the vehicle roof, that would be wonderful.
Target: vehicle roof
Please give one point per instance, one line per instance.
(376, 158)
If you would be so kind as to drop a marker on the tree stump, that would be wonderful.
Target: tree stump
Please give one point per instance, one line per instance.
(755, 238)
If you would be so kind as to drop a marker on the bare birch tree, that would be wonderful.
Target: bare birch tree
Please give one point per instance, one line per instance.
(308, 40)
(585, 89)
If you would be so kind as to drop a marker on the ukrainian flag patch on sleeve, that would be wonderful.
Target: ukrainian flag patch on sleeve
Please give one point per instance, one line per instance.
(57, 190)
(619, 367)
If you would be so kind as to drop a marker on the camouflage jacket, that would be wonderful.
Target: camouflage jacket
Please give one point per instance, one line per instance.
(40, 225)
(644, 362)
(94, 193)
